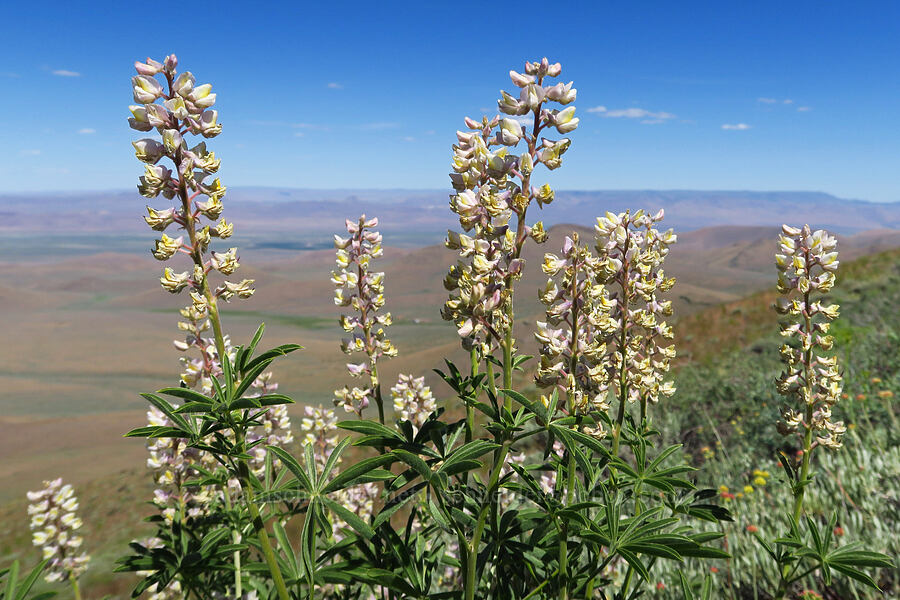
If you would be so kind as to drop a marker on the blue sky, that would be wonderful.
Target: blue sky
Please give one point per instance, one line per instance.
(710, 95)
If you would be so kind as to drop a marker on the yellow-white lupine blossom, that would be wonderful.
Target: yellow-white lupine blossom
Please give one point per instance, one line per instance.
(54, 524)
(359, 287)
(493, 189)
(639, 349)
(811, 381)
(413, 400)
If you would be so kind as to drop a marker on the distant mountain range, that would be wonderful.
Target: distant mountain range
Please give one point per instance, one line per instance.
(421, 216)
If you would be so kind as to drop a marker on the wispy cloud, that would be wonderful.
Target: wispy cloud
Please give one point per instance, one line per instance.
(736, 126)
(803, 109)
(299, 134)
(30, 152)
(288, 125)
(775, 101)
(379, 126)
(647, 117)
(408, 138)
(87, 131)
(335, 86)
(10, 74)
(66, 73)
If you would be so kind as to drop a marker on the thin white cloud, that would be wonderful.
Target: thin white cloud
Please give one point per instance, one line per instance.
(87, 131)
(646, 116)
(379, 126)
(30, 152)
(288, 125)
(409, 138)
(766, 100)
(803, 109)
(10, 74)
(335, 86)
(66, 73)
(736, 126)
(299, 134)
(788, 101)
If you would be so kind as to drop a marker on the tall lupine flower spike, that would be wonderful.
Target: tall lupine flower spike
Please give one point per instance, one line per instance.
(174, 110)
(572, 339)
(492, 184)
(806, 262)
(638, 346)
(361, 289)
(53, 525)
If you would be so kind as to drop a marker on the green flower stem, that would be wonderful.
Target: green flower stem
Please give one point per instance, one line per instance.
(75, 589)
(236, 538)
(807, 438)
(470, 411)
(472, 558)
(260, 527)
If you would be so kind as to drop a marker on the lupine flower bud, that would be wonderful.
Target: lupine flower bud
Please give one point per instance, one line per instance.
(208, 125)
(166, 247)
(510, 132)
(161, 219)
(148, 151)
(520, 80)
(225, 262)
(223, 229)
(146, 89)
(138, 119)
(149, 68)
(184, 84)
(564, 120)
(172, 141)
(53, 525)
(173, 282)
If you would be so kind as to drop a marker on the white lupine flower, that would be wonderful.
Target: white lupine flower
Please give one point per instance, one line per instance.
(413, 400)
(53, 524)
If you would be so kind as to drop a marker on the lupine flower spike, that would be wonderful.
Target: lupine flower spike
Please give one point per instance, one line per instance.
(811, 381)
(361, 289)
(492, 184)
(573, 338)
(54, 524)
(806, 264)
(638, 346)
(174, 110)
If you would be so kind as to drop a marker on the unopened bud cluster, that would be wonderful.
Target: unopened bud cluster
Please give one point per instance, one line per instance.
(53, 525)
(492, 184)
(413, 400)
(174, 110)
(638, 345)
(361, 289)
(806, 263)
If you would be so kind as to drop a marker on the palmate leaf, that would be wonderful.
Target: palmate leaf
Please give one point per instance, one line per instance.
(467, 452)
(376, 430)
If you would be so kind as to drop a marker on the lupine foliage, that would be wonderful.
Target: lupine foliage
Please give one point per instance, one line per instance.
(477, 490)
